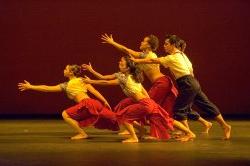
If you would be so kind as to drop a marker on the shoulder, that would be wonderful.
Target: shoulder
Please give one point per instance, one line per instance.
(121, 77)
(63, 85)
(152, 55)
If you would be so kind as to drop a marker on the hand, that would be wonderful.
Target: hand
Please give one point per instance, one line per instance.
(132, 59)
(86, 80)
(106, 104)
(107, 39)
(24, 86)
(87, 67)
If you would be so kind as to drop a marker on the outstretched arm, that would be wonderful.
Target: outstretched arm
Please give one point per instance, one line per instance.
(42, 88)
(147, 60)
(101, 82)
(109, 39)
(96, 74)
(98, 95)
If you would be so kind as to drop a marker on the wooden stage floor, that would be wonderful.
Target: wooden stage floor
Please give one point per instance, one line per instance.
(46, 143)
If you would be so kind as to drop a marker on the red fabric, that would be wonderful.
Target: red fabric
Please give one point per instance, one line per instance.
(164, 93)
(92, 112)
(123, 103)
(147, 109)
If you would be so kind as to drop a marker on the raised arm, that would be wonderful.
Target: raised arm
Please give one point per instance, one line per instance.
(109, 39)
(96, 74)
(42, 88)
(98, 95)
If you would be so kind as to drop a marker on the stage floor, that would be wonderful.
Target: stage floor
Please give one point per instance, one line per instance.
(47, 143)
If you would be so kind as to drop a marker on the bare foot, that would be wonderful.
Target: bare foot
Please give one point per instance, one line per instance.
(208, 126)
(79, 136)
(125, 132)
(177, 134)
(188, 137)
(227, 132)
(150, 138)
(130, 140)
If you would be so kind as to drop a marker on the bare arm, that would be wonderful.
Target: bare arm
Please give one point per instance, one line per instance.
(42, 88)
(146, 60)
(98, 95)
(101, 82)
(96, 74)
(109, 39)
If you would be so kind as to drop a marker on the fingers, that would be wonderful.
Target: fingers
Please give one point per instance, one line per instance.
(86, 77)
(132, 58)
(84, 66)
(21, 87)
(106, 37)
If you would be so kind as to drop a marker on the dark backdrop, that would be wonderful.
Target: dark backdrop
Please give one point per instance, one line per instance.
(39, 37)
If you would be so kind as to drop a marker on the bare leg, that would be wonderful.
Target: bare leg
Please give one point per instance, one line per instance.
(207, 125)
(140, 128)
(124, 132)
(178, 133)
(73, 123)
(226, 127)
(185, 123)
(133, 138)
(189, 134)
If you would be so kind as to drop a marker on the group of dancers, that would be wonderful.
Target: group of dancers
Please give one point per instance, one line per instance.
(163, 108)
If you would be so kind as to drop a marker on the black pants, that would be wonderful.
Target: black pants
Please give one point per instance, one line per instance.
(190, 93)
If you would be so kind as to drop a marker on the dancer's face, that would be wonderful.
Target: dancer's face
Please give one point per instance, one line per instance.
(67, 71)
(123, 65)
(144, 44)
(167, 46)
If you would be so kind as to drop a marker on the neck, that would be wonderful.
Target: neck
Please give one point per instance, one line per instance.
(147, 51)
(174, 50)
(71, 77)
(126, 73)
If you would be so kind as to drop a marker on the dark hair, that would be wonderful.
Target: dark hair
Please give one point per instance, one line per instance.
(76, 70)
(173, 40)
(182, 45)
(177, 42)
(153, 42)
(134, 70)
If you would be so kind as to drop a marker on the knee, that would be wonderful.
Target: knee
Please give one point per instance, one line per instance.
(64, 114)
(179, 116)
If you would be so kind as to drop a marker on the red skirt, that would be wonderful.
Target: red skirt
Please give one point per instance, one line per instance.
(147, 109)
(164, 93)
(124, 103)
(92, 112)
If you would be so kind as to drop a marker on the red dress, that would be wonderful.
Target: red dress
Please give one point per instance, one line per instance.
(146, 109)
(142, 110)
(164, 93)
(92, 112)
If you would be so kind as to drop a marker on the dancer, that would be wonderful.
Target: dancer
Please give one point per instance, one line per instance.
(189, 88)
(162, 90)
(143, 108)
(88, 111)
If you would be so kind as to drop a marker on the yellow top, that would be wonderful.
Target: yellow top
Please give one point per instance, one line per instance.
(178, 63)
(74, 87)
(128, 85)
